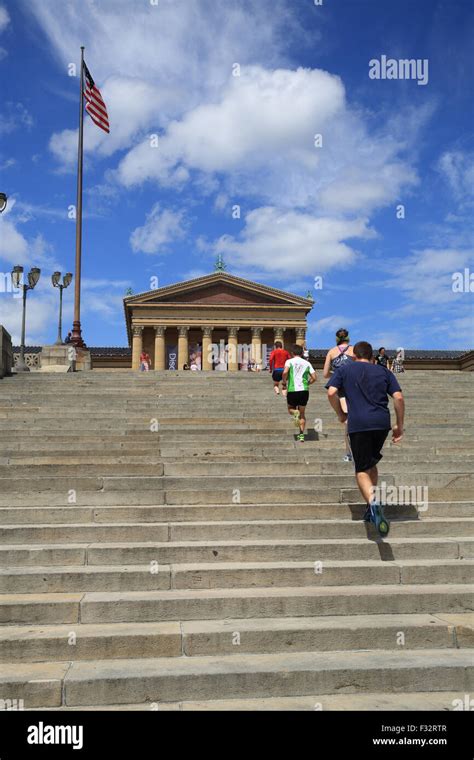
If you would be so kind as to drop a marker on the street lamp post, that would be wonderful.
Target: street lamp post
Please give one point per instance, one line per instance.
(55, 279)
(17, 277)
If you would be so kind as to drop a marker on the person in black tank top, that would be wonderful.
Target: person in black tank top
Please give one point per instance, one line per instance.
(336, 357)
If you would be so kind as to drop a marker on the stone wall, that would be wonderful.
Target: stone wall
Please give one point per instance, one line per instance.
(6, 352)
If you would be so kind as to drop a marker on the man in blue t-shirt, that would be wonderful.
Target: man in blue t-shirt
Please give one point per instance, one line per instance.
(367, 387)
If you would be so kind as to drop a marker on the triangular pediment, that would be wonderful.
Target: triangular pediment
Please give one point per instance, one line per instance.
(218, 288)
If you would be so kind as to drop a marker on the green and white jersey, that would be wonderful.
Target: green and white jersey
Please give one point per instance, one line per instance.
(299, 374)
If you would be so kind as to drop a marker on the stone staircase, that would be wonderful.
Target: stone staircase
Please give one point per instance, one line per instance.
(167, 544)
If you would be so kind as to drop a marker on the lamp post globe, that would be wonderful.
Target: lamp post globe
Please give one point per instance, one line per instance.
(3, 202)
(17, 276)
(33, 277)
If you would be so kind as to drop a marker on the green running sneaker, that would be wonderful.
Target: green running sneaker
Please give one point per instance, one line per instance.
(381, 523)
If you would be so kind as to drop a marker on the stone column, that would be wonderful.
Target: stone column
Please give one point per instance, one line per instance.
(279, 334)
(233, 349)
(206, 348)
(160, 358)
(137, 345)
(183, 347)
(257, 346)
(300, 336)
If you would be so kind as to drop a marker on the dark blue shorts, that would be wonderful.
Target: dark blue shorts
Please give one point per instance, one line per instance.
(277, 374)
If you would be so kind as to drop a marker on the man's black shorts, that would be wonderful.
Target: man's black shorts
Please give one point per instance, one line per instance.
(277, 374)
(367, 448)
(297, 398)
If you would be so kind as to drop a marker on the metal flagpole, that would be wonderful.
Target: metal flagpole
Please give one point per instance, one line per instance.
(76, 337)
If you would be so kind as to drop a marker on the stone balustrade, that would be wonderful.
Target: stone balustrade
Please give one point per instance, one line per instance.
(6, 352)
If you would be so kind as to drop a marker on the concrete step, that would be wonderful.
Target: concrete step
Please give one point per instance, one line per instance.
(308, 467)
(419, 701)
(219, 604)
(435, 493)
(261, 495)
(227, 513)
(150, 465)
(213, 526)
(266, 550)
(231, 481)
(38, 474)
(219, 575)
(176, 679)
(297, 550)
(227, 637)
(70, 533)
(316, 461)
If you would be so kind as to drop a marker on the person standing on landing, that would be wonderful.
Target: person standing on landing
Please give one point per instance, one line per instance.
(145, 362)
(397, 364)
(337, 357)
(367, 387)
(277, 360)
(382, 358)
(298, 376)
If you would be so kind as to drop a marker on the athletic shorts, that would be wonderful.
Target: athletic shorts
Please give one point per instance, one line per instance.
(277, 374)
(367, 448)
(297, 398)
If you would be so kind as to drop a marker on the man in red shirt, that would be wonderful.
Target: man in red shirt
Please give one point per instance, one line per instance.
(277, 360)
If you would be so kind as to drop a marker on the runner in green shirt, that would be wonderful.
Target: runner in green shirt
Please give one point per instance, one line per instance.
(299, 375)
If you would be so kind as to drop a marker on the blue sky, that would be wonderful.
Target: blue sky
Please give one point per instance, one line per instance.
(244, 136)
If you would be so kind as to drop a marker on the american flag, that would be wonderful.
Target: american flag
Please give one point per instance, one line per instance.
(95, 105)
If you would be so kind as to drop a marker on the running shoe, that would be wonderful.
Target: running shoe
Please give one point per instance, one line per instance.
(300, 437)
(347, 458)
(381, 523)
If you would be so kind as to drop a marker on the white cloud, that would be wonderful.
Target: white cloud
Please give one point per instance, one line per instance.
(333, 322)
(41, 315)
(4, 21)
(457, 168)
(282, 242)
(259, 136)
(15, 116)
(154, 63)
(259, 116)
(369, 187)
(19, 248)
(103, 298)
(160, 229)
(7, 163)
(247, 138)
(425, 307)
(4, 18)
(104, 304)
(132, 105)
(425, 276)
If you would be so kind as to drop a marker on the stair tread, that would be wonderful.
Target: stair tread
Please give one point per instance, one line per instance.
(439, 701)
(163, 667)
(242, 624)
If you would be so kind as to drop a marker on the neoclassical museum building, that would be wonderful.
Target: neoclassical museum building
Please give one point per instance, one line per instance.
(223, 322)
(218, 321)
